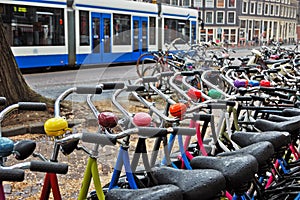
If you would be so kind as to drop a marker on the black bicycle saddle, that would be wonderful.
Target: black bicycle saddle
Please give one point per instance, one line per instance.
(291, 112)
(238, 170)
(161, 192)
(194, 184)
(278, 139)
(262, 151)
(291, 126)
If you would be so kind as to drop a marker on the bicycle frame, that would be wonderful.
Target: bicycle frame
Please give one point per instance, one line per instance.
(91, 172)
(123, 159)
(50, 182)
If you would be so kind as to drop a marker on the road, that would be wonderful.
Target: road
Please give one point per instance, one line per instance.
(52, 84)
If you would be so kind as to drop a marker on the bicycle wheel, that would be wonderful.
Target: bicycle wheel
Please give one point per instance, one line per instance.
(147, 64)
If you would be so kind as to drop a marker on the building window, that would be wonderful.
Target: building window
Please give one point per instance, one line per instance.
(209, 3)
(210, 35)
(272, 9)
(266, 9)
(174, 2)
(198, 3)
(245, 7)
(220, 17)
(243, 23)
(231, 3)
(259, 8)
(220, 3)
(252, 8)
(277, 10)
(231, 18)
(233, 36)
(186, 3)
(209, 17)
(122, 29)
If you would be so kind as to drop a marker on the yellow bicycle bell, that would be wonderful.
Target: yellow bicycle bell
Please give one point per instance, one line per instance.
(56, 126)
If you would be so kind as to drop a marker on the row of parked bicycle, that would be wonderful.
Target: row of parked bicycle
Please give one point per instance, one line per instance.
(252, 151)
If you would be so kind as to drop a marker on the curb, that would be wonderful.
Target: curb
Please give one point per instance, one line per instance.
(36, 128)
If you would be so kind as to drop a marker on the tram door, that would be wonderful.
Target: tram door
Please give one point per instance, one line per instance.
(101, 37)
(193, 33)
(140, 36)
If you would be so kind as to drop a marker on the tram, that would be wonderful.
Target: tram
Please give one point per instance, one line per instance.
(52, 33)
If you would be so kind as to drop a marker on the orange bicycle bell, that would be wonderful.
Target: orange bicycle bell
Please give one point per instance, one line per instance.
(178, 109)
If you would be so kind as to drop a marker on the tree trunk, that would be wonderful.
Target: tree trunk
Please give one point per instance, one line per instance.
(12, 83)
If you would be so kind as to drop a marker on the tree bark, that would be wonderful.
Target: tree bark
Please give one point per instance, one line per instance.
(12, 83)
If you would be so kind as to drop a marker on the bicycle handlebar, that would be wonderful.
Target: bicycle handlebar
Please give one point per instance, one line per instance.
(110, 139)
(94, 89)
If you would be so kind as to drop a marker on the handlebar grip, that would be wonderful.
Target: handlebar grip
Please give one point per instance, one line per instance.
(234, 67)
(112, 86)
(188, 73)
(228, 103)
(51, 167)
(240, 70)
(184, 131)
(150, 79)
(268, 89)
(152, 132)
(272, 71)
(217, 106)
(32, 106)
(89, 89)
(202, 117)
(131, 88)
(198, 72)
(167, 74)
(243, 98)
(101, 139)
(2, 101)
(16, 175)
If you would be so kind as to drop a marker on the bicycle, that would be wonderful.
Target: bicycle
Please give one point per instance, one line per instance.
(23, 149)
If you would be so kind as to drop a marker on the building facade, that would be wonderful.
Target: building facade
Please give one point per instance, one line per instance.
(245, 21)
(248, 21)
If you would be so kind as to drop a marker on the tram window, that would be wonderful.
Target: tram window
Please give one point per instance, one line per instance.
(29, 25)
(176, 29)
(122, 29)
(152, 31)
(84, 28)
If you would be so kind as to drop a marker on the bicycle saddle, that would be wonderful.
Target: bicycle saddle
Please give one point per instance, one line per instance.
(238, 170)
(262, 151)
(278, 139)
(278, 118)
(194, 184)
(292, 126)
(291, 112)
(160, 192)
(281, 61)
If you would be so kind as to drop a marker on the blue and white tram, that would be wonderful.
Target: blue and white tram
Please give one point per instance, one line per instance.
(45, 33)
